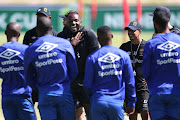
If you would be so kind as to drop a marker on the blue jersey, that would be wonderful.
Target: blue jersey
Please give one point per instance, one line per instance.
(12, 69)
(50, 65)
(161, 64)
(109, 74)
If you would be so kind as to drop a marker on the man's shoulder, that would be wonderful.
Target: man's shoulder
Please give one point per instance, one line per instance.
(125, 45)
(86, 29)
(33, 30)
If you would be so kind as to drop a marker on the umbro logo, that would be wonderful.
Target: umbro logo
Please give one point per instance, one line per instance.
(9, 53)
(168, 46)
(46, 47)
(109, 58)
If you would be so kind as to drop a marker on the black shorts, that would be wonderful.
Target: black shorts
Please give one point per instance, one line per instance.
(142, 100)
(79, 95)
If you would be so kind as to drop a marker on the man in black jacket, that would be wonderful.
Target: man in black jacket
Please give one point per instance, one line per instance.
(31, 35)
(84, 42)
(171, 28)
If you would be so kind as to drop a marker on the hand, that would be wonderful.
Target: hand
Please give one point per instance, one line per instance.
(130, 110)
(78, 38)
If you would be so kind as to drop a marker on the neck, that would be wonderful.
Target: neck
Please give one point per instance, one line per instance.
(165, 31)
(108, 43)
(48, 33)
(169, 26)
(12, 39)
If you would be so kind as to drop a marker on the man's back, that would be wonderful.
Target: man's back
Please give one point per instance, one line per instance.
(109, 69)
(162, 58)
(53, 61)
(12, 69)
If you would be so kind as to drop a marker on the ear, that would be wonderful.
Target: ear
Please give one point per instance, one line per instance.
(18, 34)
(140, 31)
(112, 35)
(5, 32)
(80, 21)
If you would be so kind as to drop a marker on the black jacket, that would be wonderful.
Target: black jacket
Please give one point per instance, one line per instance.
(83, 49)
(175, 30)
(31, 36)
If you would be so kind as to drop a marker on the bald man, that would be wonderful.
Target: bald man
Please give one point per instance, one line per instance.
(16, 94)
(52, 60)
(108, 75)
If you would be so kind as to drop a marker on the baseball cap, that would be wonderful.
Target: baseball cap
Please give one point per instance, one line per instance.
(44, 11)
(134, 25)
(68, 13)
(161, 9)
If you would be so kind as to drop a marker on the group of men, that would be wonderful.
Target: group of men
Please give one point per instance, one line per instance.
(70, 71)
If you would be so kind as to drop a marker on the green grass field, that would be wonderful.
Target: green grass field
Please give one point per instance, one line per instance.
(117, 41)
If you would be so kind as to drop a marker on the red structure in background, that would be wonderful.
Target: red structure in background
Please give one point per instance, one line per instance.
(80, 7)
(93, 9)
(139, 11)
(126, 13)
(126, 18)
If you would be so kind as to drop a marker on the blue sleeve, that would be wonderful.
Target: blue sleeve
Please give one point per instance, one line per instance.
(128, 76)
(29, 71)
(71, 63)
(147, 61)
(89, 76)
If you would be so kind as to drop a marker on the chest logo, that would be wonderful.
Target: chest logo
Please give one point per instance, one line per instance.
(9, 53)
(109, 58)
(168, 46)
(46, 47)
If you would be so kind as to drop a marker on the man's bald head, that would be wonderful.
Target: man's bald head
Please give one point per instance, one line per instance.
(13, 30)
(44, 26)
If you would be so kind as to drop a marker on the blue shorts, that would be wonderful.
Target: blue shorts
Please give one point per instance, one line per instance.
(18, 107)
(164, 106)
(56, 107)
(103, 110)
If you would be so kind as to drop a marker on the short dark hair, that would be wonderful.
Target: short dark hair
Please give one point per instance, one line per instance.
(73, 12)
(68, 13)
(161, 19)
(103, 30)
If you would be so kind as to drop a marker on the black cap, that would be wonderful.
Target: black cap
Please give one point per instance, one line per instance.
(134, 25)
(44, 11)
(161, 9)
(68, 13)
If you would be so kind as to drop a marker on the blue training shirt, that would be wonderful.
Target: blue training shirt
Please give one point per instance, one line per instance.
(161, 64)
(109, 74)
(12, 69)
(50, 65)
